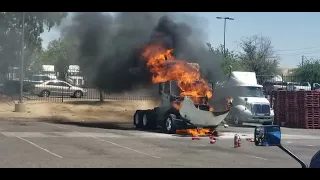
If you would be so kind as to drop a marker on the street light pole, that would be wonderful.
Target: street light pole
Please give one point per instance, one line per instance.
(22, 60)
(224, 32)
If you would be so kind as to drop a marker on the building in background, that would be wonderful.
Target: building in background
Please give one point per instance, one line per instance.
(13, 73)
(74, 76)
(49, 71)
(286, 71)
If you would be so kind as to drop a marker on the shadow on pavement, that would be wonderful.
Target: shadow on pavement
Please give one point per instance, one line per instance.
(122, 125)
(91, 124)
(96, 124)
(83, 102)
(244, 126)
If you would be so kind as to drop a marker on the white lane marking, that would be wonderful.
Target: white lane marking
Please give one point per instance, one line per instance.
(257, 157)
(46, 150)
(289, 142)
(59, 134)
(125, 147)
(115, 144)
(310, 145)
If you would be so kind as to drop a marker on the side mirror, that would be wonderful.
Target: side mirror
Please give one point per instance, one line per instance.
(267, 135)
(315, 161)
(271, 136)
(246, 100)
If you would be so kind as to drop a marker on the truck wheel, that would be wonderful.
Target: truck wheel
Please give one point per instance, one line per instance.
(148, 120)
(137, 119)
(169, 124)
(237, 121)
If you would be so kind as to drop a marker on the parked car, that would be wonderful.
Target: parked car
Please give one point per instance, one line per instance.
(304, 86)
(58, 88)
(39, 78)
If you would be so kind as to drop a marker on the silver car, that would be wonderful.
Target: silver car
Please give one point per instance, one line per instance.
(58, 88)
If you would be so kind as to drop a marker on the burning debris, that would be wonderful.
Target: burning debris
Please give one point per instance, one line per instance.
(197, 132)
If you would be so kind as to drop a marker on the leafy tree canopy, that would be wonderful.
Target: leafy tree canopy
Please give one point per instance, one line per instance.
(11, 34)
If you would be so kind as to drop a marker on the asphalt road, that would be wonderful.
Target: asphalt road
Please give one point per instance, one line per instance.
(27, 143)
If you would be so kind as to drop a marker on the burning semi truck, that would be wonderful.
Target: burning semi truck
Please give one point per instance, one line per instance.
(184, 95)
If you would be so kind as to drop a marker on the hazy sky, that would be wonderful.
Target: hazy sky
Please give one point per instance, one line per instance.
(292, 34)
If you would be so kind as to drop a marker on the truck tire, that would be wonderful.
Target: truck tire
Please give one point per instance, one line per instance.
(169, 124)
(236, 120)
(137, 118)
(148, 120)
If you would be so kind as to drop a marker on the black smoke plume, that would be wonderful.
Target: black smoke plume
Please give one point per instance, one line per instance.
(109, 46)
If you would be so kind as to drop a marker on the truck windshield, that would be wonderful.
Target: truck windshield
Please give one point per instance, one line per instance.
(249, 91)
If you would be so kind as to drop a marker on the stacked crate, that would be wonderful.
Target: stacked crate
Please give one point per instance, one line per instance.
(279, 106)
(308, 109)
(291, 109)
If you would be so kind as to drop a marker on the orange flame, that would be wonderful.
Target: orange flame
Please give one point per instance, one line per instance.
(195, 131)
(165, 67)
(177, 105)
(229, 100)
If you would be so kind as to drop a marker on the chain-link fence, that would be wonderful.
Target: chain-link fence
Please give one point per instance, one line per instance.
(74, 86)
(46, 87)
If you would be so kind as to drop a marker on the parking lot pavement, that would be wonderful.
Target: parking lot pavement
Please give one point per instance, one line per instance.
(41, 144)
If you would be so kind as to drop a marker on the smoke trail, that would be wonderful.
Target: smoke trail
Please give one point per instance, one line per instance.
(109, 46)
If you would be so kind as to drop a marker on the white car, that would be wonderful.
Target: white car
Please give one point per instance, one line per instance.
(58, 88)
(294, 86)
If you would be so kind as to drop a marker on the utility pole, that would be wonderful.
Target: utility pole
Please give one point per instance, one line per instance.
(21, 107)
(302, 60)
(22, 59)
(224, 32)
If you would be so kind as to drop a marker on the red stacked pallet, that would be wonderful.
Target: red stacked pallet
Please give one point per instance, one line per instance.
(279, 107)
(291, 109)
(308, 109)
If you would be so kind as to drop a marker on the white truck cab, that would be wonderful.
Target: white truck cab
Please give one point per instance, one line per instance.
(249, 103)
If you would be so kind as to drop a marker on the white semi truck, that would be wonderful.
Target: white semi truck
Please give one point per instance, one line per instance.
(249, 103)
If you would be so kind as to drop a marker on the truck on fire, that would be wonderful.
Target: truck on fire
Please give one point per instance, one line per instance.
(180, 112)
(249, 103)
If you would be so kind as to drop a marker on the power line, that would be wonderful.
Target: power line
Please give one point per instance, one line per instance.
(313, 57)
(285, 50)
(298, 53)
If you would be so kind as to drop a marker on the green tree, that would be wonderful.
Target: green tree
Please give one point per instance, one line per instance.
(35, 65)
(59, 53)
(308, 71)
(230, 59)
(258, 55)
(11, 34)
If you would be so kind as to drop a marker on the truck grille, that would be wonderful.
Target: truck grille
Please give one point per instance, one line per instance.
(261, 109)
